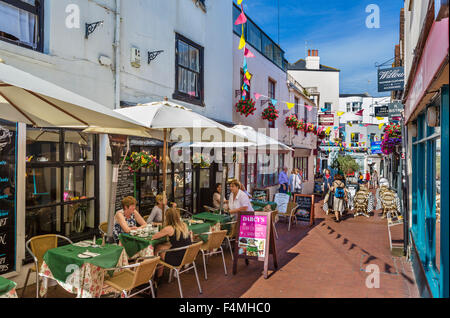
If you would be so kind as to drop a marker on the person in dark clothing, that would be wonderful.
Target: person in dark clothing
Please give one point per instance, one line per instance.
(179, 236)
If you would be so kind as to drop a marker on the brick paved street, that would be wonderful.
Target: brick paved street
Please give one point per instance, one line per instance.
(327, 260)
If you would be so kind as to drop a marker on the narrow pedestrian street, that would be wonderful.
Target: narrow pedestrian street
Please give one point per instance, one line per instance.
(327, 260)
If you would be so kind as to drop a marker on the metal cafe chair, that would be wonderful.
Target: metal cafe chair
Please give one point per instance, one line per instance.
(231, 236)
(37, 247)
(185, 213)
(125, 279)
(188, 259)
(213, 246)
(290, 213)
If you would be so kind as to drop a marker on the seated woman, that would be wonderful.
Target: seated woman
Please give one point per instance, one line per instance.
(217, 196)
(179, 236)
(156, 215)
(127, 219)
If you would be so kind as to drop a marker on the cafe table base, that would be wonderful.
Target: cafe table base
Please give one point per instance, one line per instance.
(85, 283)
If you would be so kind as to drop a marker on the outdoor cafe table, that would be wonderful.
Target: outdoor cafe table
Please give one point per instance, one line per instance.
(215, 220)
(7, 288)
(136, 246)
(61, 264)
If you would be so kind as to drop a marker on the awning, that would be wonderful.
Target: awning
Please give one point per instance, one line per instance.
(261, 140)
(298, 152)
(34, 101)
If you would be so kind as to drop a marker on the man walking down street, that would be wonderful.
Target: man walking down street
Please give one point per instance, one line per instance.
(283, 180)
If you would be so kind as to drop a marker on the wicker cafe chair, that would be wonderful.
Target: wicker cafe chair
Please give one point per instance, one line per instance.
(290, 213)
(37, 247)
(125, 279)
(215, 240)
(361, 202)
(231, 235)
(209, 209)
(388, 203)
(103, 228)
(189, 259)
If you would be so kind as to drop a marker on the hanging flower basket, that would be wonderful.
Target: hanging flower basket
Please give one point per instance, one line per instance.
(138, 160)
(391, 139)
(291, 121)
(245, 107)
(301, 126)
(270, 113)
(200, 161)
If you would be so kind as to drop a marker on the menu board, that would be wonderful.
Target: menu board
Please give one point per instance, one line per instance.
(7, 198)
(125, 186)
(255, 239)
(305, 208)
(260, 194)
(253, 235)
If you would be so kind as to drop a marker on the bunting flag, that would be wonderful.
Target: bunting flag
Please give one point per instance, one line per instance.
(350, 124)
(341, 127)
(274, 101)
(246, 81)
(248, 54)
(257, 96)
(361, 125)
(242, 42)
(320, 129)
(244, 94)
(380, 118)
(245, 87)
(366, 125)
(309, 107)
(328, 130)
(241, 18)
(290, 105)
(380, 126)
(360, 113)
(323, 110)
(340, 114)
(239, 2)
(248, 75)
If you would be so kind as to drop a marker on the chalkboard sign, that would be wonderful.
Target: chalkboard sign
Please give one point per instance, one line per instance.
(260, 194)
(125, 186)
(255, 239)
(7, 199)
(305, 208)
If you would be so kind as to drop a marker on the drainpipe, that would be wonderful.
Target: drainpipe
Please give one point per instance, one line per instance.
(117, 53)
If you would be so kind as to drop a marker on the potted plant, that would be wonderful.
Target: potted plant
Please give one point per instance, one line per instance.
(291, 121)
(138, 160)
(391, 139)
(245, 107)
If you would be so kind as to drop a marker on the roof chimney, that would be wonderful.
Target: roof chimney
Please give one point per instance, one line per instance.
(313, 60)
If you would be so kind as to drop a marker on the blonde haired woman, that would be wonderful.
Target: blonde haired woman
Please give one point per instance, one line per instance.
(179, 236)
(156, 216)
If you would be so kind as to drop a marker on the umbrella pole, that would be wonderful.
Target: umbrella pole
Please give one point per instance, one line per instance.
(164, 167)
(222, 195)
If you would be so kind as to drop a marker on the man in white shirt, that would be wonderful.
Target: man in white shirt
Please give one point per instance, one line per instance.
(238, 201)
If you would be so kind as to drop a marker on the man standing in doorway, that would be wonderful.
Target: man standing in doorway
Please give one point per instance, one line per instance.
(283, 180)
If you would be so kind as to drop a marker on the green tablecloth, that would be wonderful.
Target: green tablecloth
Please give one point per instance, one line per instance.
(214, 219)
(135, 244)
(6, 286)
(58, 259)
(259, 205)
(199, 229)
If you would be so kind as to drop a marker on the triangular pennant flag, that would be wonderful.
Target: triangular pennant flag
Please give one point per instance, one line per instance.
(320, 130)
(274, 102)
(380, 126)
(309, 107)
(244, 66)
(241, 18)
(380, 118)
(323, 110)
(248, 75)
(328, 130)
(350, 124)
(366, 125)
(248, 54)
(239, 2)
(340, 114)
(245, 87)
(360, 113)
(246, 81)
(242, 42)
(257, 96)
(290, 105)
(244, 93)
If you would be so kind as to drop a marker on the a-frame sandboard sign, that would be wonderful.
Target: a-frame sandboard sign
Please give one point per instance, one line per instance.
(255, 239)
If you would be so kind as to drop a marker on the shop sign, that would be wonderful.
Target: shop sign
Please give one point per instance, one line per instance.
(326, 120)
(395, 110)
(391, 79)
(376, 147)
(382, 111)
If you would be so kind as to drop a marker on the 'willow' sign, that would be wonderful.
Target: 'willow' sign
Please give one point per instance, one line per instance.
(391, 79)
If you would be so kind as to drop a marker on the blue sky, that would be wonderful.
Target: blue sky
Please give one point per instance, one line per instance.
(338, 30)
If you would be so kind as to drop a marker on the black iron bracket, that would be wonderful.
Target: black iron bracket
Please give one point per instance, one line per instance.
(90, 28)
(153, 55)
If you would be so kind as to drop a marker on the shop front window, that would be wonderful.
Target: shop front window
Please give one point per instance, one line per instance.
(438, 203)
(61, 183)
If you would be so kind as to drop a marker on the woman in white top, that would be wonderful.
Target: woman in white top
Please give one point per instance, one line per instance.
(238, 201)
(156, 217)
